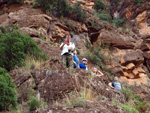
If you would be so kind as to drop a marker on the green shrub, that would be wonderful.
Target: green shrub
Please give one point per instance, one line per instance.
(78, 13)
(14, 47)
(115, 2)
(99, 6)
(129, 109)
(7, 91)
(104, 17)
(34, 104)
(138, 2)
(127, 93)
(140, 104)
(96, 56)
(56, 7)
(118, 22)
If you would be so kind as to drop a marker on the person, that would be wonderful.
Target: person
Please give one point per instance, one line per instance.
(83, 64)
(115, 85)
(75, 59)
(67, 51)
(97, 72)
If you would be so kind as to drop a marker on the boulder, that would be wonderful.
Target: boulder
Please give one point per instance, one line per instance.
(4, 20)
(132, 56)
(25, 18)
(22, 78)
(116, 40)
(130, 66)
(135, 72)
(56, 86)
(30, 31)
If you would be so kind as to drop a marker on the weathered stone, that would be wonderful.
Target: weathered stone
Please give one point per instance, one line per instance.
(30, 31)
(56, 85)
(116, 40)
(24, 19)
(135, 72)
(22, 78)
(140, 70)
(132, 56)
(130, 66)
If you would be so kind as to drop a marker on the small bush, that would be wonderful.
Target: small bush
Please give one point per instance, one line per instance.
(129, 109)
(56, 7)
(78, 13)
(14, 47)
(140, 104)
(96, 56)
(99, 6)
(127, 93)
(138, 2)
(7, 91)
(118, 22)
(34, 104)
(104, 17)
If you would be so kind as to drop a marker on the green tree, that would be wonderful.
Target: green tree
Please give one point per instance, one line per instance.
(14, 47)
(7, 95)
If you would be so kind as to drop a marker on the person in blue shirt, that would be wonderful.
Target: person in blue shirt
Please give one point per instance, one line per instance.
(75, 59)
(115, 85)
(83, 64)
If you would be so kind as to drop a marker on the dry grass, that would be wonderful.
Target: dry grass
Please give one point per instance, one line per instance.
(31, 63)
(76, 98)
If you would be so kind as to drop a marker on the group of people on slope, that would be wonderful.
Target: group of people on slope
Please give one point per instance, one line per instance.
(69, 55)
(70, 60)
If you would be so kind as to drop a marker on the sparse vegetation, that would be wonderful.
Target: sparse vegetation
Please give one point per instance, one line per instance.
(127, 93)
(62, 9)
(129, 109)
(78, 13)
(34, 104)
(138, 2)
(118, 22)
(96, 56)
(7, 95)
(76, 98)
(140, 104)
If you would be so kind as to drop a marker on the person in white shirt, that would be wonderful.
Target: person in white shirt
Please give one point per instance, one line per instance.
(67, 48)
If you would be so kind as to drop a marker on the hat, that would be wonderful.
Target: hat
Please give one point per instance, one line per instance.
(84, 59)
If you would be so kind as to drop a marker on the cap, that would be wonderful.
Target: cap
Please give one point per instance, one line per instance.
(84, 59)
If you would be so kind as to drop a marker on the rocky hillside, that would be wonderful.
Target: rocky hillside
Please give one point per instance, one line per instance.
(117, 48)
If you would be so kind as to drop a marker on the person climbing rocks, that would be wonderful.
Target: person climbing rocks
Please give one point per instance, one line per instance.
(67, 48)
(115, 85)
(83, 64)
(75, 59)
(97, 72)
